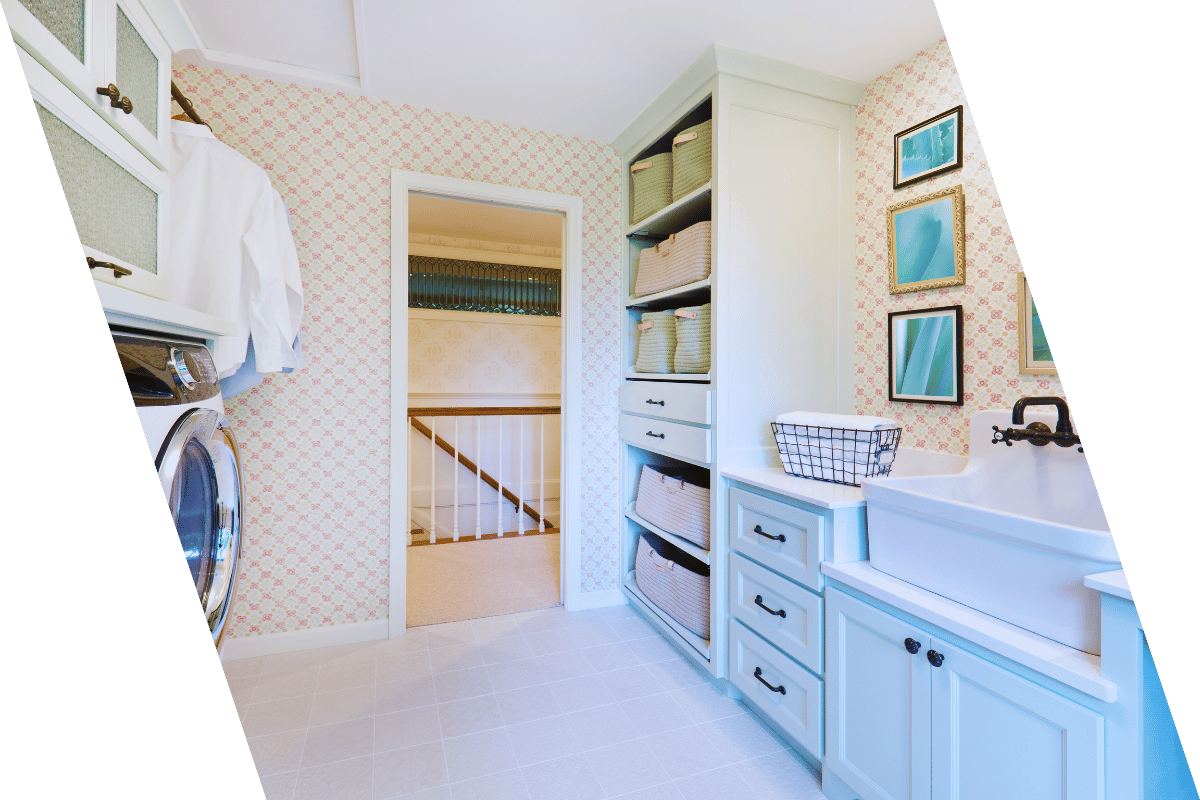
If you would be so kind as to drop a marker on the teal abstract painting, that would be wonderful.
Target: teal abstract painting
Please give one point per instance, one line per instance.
(929, 149)
(926, 241)
(926, 355)
(1039, 346)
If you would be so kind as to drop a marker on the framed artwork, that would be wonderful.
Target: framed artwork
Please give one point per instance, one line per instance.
(1035, 356)
(930, 148)
(925, 356)
(927, 242)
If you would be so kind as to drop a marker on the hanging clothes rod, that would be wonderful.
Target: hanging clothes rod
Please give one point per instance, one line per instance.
(179, 97)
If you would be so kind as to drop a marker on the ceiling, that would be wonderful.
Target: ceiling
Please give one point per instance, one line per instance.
(572, 67)
(461, 219)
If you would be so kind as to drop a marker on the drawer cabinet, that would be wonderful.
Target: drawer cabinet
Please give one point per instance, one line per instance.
(784, 537)
(669, 438)
(786, 692)
(788, 616)
(688, 402)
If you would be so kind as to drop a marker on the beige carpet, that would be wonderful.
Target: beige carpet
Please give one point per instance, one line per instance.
(481, 578)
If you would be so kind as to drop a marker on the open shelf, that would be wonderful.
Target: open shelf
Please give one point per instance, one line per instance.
(667, 624)
(699, 290)
(687, 210)
(695, 377)
(691, 548)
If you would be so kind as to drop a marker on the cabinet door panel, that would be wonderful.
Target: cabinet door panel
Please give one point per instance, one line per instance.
(877, 712)
(66, 37)
(138, 60)
(997, 736)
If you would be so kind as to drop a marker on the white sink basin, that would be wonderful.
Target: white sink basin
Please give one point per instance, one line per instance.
(1012, 535)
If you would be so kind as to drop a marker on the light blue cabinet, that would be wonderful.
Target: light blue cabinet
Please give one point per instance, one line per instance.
(903, 726)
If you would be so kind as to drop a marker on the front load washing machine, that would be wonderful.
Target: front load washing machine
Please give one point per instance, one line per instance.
(174, 386)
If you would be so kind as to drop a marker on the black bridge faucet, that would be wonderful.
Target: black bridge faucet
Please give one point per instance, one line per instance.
(1038, 433)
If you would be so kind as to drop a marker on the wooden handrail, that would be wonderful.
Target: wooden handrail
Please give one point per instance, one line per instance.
(471, 465)
(484, 411)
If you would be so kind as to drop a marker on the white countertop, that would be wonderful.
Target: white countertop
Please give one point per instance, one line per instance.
(1067, 665)
(1113, 583)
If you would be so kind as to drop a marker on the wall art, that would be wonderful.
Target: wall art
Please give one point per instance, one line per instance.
(933, 147)
(925, 356)
(1035, 355)
(927, 242)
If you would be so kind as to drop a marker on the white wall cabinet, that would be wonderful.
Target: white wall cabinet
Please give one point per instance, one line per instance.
(90, 44)
(912, 716)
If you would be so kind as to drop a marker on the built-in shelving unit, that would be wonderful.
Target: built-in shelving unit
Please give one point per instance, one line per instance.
(687, 210)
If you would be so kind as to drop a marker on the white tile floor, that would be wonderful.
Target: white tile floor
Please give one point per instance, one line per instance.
(543, 705)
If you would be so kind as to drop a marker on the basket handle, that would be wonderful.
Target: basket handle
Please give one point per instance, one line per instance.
(641, 165)
(670, 240)
(663, 480)
(659, 563)
(683, 312)
(645, 326)
(684, 137)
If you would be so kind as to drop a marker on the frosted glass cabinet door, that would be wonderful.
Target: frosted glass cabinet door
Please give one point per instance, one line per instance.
(997, 736)
(138, 62)
(117, 198)
(65, 36)
(877, 701)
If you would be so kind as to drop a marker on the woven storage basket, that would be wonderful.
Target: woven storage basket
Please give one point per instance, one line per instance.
(693, 339)
(650, 181)
(691, 159)
(656, 343)
(684, 258)
(673, 581)
(674, 505)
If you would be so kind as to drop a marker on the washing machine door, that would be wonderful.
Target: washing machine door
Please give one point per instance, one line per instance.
(200, 471)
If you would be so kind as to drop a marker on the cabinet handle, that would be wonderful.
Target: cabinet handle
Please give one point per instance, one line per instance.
(118, 270)
(656, 402)
(935, 657)
(780, 538)
(912, 645)
(780, 688)
(780, 613)
(114, 97)
(659, 435)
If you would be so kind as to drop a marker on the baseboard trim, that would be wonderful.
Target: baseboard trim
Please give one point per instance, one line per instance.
(290, 641)
(584, 601)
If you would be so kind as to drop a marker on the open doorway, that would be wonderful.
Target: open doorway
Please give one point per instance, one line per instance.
(485, 384)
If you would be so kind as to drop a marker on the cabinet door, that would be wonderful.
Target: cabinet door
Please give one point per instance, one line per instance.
(138, 62)
(65, 36)
(877, 701)
(997, 736)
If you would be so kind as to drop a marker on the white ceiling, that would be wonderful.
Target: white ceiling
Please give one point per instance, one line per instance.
(574, 67)
(461, 219)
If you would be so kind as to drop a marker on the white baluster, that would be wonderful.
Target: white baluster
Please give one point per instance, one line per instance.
(521, 471)
(500, 479)
(542, 473)
(454, 477)
(478, 479)
(432, 480)
(409, 456)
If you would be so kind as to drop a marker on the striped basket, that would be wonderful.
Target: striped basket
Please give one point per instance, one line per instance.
(650, 185)
(684, 258)
(674, 581)
(691, 159)
(674, 505)
(693, 334)
(656, 342)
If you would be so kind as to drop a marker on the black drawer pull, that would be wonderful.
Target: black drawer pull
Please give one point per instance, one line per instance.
(935, 657)
(657, 402)
(780, 538)
(780, 688)
(912, 645)
(659, 435)
(780, 613)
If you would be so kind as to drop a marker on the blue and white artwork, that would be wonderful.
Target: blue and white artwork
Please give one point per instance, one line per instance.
(924, 243)
(928, 149)
(925, 356)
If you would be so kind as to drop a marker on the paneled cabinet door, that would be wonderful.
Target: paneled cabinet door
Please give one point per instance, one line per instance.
(997, 736)
(66, 36)
(877, 701)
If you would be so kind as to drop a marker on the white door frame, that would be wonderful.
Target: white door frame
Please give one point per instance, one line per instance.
(403, 182)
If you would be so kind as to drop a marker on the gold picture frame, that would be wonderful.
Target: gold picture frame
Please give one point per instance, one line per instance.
(927, 242)
(1033, 345)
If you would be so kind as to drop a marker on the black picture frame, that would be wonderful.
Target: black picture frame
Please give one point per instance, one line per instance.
(940, 351)
(917, 130)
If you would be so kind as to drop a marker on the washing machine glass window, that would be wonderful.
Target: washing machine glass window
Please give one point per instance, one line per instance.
(193, 505)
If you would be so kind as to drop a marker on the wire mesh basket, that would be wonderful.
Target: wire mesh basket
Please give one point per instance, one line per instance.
(835, 455)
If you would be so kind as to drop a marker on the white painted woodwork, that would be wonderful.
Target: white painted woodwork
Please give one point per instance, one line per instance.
(687, 402)
(799, 554)
(669, 438)
(55, 97)
(798, 709)
(799, 632)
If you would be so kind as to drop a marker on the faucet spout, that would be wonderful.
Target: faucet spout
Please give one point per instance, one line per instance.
(1064, 414)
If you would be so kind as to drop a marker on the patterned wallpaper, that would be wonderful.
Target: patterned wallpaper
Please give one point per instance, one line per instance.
(315, 442)
(916, 90)
(458, 357)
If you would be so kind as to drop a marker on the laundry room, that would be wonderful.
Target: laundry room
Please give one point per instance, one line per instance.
(580, 506)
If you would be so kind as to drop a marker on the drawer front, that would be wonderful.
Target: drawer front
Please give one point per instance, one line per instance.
(796, 627)
(683, 401)
(668, 438)
(756, 667)
(795, 550)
